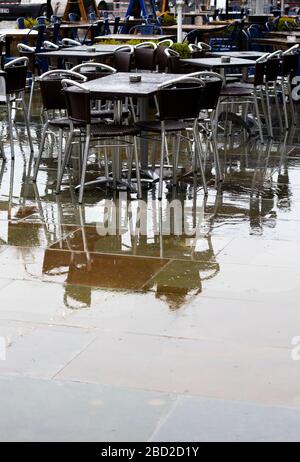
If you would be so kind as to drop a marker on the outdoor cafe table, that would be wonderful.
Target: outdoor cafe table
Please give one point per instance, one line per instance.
(204, 28)
(19, 34)
(216, 63)
(239, 54)
(127, 37)
(276, 42)
(119, 86)
(98, 47)
(282, 33)
(75, 55)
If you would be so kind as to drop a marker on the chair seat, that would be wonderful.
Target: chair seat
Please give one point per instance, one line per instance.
(155, 126)
(103, 130)
(107, 113)
(60, 122)
(235, 91)
(63, 122)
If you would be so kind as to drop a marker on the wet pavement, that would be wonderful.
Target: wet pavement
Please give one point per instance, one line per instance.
(176, 330)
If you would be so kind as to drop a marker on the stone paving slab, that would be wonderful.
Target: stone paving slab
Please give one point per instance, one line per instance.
(211, 420)
(43, 410)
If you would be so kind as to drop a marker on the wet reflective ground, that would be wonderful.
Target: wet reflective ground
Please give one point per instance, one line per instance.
(200, 310)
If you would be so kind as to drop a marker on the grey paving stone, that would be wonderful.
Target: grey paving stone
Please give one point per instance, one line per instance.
(208, 420)
(43, 410)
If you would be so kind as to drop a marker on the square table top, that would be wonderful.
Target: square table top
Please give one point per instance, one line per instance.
(239, 54)
(201, 27)
(71, 53)
(17, 32)
(282, 33)
(278, 42)
(118, 84)
(126, 37)
(214, 63)
(99, 47)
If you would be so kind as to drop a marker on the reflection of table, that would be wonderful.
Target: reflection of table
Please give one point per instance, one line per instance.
(127, 37)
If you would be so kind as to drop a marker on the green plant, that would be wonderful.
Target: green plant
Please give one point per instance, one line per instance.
(30, 22)
(286, 20)
(167, 19)
(182, 49)
(120, 42)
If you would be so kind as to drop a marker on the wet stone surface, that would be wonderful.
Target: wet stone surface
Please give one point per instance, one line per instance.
(192, 309)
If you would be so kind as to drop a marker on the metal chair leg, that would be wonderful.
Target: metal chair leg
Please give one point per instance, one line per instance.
(264, 109)
(10, 127)
(286, 120)
(137, 167)
(161, 166)
(258, 118)
(198, 152)
(2, 153)
(291, 101)
(59, 157)
(84, 163)
(277, 106)
(66, 157)
(269, 110)
(27, 122)
(175, 159)
(39, 157)
(30, 98)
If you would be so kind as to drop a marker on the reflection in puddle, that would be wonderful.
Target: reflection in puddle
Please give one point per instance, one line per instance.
(169, 252)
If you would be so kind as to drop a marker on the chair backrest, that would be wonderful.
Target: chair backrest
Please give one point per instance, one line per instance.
(122, 58)
(29, 53)
(41, 20)
(165, 43)
(41, 31)
(260, 70)
(93, 70)
(67, 42)
(73, 17)
(50, 46)
(273, 66)
(289, 64)
(16, 73)
(146, 45)
(161, 58)
(21, 23)
(245, 39)
(145, 57)
(254, 31)
(78, 101)
(92, 16)
(213, 83)
(193, 36)
(116, 25)
(54, 19)
(197, 51)
(56, 32)
(180, 99)
(51, 88)
(173, 61)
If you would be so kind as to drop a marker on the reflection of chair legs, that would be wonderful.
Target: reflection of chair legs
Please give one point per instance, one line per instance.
(2, 153)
